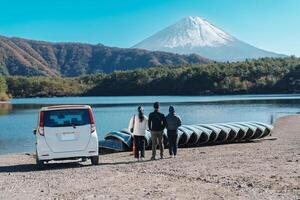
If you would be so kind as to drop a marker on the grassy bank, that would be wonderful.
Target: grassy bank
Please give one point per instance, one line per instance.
(4, 97)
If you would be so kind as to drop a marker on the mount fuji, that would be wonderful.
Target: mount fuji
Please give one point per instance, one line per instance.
(196, 35)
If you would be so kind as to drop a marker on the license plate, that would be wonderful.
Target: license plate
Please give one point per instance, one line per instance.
(68, 136)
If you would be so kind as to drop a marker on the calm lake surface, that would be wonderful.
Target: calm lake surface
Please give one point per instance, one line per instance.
(19, 118)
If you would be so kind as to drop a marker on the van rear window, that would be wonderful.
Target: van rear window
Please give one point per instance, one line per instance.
(66, 117)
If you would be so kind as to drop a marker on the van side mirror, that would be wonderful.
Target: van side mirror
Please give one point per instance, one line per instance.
(34, 131)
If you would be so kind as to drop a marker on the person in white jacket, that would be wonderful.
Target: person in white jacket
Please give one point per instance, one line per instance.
(137, 126)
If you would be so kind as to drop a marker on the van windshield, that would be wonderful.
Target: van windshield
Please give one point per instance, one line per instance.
(66, 117)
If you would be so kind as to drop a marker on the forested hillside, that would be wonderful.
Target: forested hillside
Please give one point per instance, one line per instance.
(280, 75)
(31, 58)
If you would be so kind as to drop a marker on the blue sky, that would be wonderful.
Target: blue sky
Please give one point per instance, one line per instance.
(269, 24)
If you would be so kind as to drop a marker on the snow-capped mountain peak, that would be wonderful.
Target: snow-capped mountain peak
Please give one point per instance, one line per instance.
(195, 31)
(194, 34)
(190, 31)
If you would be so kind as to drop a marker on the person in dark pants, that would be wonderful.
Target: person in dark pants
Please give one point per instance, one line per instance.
(139, 152)
(157, 124)
(138, 126)
(173, 122)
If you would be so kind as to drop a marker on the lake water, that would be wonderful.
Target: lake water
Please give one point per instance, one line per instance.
(19, 118)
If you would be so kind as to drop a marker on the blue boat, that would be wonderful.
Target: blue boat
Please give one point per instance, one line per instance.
(194, 135)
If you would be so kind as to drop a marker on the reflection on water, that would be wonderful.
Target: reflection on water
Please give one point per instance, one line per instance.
(5, 108)
(17, 120)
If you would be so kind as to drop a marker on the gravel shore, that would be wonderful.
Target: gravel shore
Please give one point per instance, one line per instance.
(266, 169)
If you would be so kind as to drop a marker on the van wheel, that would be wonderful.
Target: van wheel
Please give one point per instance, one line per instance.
(39, 164)
(95, 160)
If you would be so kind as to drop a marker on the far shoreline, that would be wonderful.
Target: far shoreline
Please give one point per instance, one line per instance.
(149, 99)
(163, 95)
(160, 95)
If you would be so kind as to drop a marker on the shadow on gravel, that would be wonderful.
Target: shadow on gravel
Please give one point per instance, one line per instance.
(32, 167)
(59, 166)
(131, 162)
(208, 145)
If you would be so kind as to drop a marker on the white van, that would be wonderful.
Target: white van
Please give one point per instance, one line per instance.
(66, 132)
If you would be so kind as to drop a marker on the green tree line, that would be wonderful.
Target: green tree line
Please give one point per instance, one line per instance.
(266, 75)
(42, 86)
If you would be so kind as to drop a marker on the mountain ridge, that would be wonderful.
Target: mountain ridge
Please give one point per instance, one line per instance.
(19, 56)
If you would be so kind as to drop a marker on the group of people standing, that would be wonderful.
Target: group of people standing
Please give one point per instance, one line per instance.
(156, 123)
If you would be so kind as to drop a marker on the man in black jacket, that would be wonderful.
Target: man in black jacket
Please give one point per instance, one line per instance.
(157, 124)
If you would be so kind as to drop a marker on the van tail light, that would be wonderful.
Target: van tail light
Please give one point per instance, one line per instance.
(41, 124)
(93, 128)
(92, 121)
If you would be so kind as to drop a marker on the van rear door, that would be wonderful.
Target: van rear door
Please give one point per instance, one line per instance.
(67, 130)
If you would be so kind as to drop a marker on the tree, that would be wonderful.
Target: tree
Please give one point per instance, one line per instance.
(3, 86)
(3, 89)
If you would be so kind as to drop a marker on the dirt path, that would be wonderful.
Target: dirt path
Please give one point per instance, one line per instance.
(268, 169)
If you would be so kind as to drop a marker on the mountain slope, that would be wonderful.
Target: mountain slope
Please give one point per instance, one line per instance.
(196, 35)
(28, 57)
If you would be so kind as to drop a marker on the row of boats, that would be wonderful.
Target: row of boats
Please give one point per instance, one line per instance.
(195, 135)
